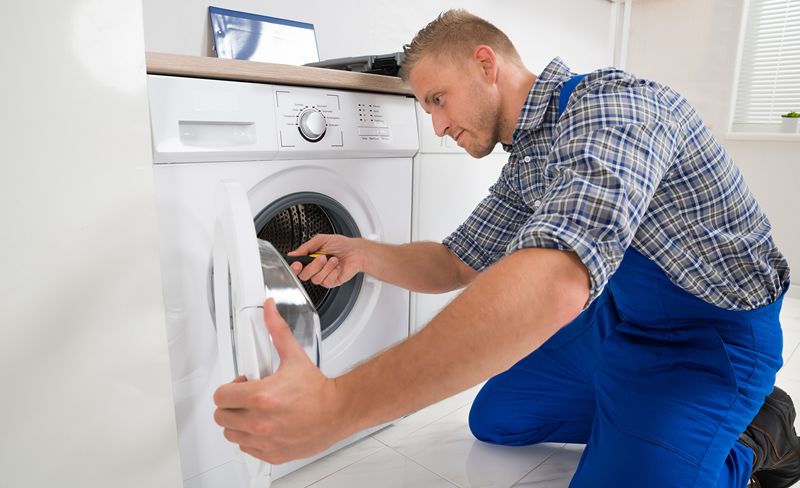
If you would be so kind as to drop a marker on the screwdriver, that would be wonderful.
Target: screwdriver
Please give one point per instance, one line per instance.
(304, 260)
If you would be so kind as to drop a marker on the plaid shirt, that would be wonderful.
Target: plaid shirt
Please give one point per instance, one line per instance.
(629, 163)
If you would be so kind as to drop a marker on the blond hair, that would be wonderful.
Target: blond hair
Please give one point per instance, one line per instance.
(454, 34)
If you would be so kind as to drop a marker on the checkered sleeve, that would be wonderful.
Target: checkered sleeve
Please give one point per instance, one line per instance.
(606, 163)
(483, 238)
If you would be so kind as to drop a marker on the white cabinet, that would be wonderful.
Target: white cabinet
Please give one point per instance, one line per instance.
(448, 184)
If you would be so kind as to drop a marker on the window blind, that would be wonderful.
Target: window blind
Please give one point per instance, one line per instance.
(769, 70)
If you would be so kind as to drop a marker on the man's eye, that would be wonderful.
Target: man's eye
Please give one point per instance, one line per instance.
(437, 100)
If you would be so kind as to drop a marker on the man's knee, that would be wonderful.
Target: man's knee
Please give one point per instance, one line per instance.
(487, 416)
(480, 423)
(491, 423)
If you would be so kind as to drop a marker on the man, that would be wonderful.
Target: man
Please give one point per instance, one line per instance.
(622, 287)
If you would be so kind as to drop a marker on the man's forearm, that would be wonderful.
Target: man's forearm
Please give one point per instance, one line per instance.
(426, 267)
(507, 312)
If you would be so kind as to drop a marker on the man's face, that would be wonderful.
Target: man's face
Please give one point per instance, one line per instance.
(462, 103)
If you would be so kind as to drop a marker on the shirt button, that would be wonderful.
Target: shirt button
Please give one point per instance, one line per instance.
(527, 159)
(537, 203)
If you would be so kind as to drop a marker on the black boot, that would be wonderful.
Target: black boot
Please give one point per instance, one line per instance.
(774, 442)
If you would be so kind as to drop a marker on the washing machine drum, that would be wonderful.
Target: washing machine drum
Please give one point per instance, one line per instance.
(293, 220)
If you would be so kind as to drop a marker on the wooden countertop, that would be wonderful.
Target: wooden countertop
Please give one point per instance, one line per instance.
(281, 74)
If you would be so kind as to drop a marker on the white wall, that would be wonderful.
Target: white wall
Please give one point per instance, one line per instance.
(576, 30)
(84, 372)
(692, 46)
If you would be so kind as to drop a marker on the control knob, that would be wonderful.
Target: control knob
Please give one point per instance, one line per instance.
(311, 124)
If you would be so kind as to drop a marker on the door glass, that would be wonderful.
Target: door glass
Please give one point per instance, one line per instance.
(291, 299)
(294, 219)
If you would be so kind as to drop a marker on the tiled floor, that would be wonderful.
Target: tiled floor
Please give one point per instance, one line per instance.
(434, 447)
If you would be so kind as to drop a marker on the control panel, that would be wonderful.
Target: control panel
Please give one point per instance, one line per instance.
(313, 120)
(309, 116)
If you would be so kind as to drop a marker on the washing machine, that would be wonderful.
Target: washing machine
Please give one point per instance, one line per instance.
(303, 161)
(448, 185)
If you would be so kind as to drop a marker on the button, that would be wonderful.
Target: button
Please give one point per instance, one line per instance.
(537, 203)
(367, 131)
(527, 159)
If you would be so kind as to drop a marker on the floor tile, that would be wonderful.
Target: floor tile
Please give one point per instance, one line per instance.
(386, 469)
(791, 366)
(556, 471)
(793, 389)
(412, 423)
(448, 448)
(790, 322)
(791, 309)
(791, 339)
(329, 464)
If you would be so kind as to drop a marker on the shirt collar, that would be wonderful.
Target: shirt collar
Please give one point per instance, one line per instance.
(535, 106)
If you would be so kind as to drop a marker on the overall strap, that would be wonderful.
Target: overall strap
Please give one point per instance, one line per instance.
(566, 91)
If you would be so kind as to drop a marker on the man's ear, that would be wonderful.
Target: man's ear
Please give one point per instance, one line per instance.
(487, 61)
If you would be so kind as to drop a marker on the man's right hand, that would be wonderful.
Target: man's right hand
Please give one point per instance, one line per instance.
(342, 259)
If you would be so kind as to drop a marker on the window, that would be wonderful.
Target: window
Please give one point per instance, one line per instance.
(768, 81)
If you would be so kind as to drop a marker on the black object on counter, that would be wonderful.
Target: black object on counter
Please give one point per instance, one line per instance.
(379, 64)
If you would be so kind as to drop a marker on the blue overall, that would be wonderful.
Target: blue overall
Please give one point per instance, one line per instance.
(657, 383)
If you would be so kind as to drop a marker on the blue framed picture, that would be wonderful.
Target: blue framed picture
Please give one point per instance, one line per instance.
(242, 35)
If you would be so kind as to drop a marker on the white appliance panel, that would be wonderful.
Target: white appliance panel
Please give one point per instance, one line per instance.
(366, 177)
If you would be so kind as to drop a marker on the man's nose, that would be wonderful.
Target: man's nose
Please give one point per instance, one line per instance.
(440, 125)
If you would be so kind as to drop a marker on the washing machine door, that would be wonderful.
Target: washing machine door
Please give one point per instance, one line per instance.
(246, 272)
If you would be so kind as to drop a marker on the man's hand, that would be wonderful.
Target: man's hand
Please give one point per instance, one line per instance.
(342, 260)
(289, 415)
